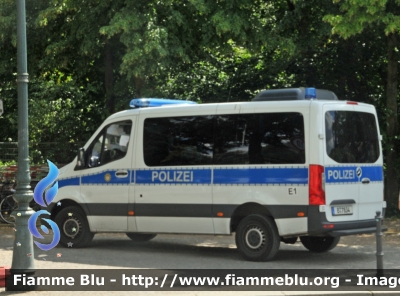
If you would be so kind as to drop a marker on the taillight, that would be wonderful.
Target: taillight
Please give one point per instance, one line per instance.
(316, 191)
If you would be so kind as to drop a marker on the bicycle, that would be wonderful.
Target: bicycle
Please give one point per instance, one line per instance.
(7, 202)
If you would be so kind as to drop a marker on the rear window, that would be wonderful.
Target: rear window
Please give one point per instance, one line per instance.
(351, 137)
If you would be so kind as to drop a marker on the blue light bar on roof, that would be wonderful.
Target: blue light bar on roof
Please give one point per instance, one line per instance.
(151, 102)
(310, 93)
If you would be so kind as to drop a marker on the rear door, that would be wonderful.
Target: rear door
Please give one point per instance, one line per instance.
(353, 162)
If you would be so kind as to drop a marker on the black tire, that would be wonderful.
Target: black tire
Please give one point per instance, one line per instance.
(34, 206)
(257, 238)
(7, 206)
(319, 244)
(74, 228)
(140, 237)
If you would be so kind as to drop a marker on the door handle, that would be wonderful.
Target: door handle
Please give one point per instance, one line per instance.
(365, 180)
(121, 174)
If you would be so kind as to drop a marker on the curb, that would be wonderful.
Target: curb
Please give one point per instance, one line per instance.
(2, 224)
(4, 271)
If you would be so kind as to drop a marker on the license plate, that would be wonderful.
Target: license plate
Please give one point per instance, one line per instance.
(342, 210)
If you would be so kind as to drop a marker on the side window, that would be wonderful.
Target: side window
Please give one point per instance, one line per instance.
(111, 144)
(232, 139)
(265, 138)
(281, 137)
(177, 141)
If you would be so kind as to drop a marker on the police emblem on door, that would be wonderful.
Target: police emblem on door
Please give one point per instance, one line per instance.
(107, 177)
(358, 173)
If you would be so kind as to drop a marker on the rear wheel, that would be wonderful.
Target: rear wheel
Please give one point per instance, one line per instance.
(257, 238)
(140, 237)
(7, 206)
(319, 244)
(74, 228)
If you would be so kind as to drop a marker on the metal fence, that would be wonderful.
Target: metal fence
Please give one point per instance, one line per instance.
(60, 153)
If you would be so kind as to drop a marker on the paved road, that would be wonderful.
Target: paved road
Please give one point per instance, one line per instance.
(185, 251)
(206, 252)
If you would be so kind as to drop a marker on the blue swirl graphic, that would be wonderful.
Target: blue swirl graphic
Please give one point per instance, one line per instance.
(32, 228)
(40, 188)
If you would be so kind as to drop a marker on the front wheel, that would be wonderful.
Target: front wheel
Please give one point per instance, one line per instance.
(74, 228)
(140, 237)
(319, 244)
(7, 206)
(257, 238)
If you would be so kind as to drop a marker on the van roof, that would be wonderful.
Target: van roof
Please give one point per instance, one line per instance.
(290, 94)
(273, 98)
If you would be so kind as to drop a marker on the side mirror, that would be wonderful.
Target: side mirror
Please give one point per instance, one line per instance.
(80, 164)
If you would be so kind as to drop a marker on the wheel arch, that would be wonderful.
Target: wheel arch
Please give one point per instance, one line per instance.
(247, 209)
(66, 203)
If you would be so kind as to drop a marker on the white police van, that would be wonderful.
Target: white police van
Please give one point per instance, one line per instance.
(291, 163)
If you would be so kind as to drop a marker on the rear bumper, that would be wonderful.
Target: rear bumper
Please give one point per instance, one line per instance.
(356, 231)
(318, 225)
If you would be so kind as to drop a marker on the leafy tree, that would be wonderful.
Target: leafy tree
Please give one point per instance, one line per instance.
(359, 15)
(233, 77)
(77, 48)
(57, 100)
(168, 36)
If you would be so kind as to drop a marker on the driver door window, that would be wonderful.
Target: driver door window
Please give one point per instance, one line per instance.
(110, 145)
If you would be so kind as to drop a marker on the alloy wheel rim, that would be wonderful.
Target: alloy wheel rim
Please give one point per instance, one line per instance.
(255, 238)
(71, 227)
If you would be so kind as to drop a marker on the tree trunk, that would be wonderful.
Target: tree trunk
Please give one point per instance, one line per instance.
(391, 181)
(109, 78)
(139, 83)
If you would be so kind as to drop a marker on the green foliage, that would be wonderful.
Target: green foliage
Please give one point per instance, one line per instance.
(359, 14)
(159, 35)
(60, 111)
(3, 166)
(223, 78)
(7, 163)
(7, 20)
